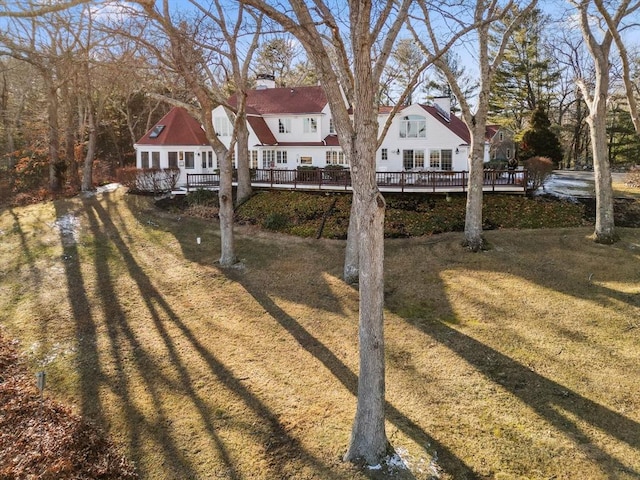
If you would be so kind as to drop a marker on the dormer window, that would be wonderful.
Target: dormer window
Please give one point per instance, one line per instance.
(332, 127)
(284, 125)
(222, 126)
(310, 125)
(413, 126)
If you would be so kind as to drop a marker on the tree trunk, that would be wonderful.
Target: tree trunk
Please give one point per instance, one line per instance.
(473, 219)
(368, 437)
(605, 224)
(226, 212)
(351, 255)
(56, 166)
(244, 174)
(87, 173)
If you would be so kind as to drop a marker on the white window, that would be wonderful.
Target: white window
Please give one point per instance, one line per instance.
(144, 159)
(441, 159)
(155, 159)
(271, 158)
(210, 158)
(332, 127)
(173, 159)
(336, 157)
(222, 126)
(309, 125)
(412, 159)
(189, 160)
(384, 154)
(268, 158)
(413, 126)
(253, 159)
(284, 125)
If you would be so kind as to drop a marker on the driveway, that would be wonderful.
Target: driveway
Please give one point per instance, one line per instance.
(570, 183)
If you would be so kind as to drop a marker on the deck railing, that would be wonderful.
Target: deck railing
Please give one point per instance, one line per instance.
(435, 181)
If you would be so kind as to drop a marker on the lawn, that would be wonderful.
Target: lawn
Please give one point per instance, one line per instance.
(522, 361)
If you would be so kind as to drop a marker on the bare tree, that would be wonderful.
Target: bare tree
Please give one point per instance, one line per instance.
(596, 95)
(349, 43)
(486, 14)
(236, 54)
(615, 28)
(20, 9)
(46, 44)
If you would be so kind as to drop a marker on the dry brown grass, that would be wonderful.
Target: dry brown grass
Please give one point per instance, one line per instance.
(518, 362)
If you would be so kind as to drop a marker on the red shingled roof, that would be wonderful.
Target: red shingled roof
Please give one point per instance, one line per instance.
(180, 128)
(274, 101)
(455, 124)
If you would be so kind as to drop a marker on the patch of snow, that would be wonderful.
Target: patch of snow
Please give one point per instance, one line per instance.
(69, 227)
(374, 467)
(110, 187)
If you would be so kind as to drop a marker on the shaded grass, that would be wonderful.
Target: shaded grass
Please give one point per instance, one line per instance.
(517, 362)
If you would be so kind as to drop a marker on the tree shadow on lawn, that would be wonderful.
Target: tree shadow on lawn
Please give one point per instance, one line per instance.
(546, 397)
(450, 462)
(128, 351)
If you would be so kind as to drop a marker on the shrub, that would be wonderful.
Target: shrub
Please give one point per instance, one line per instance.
(31, 171)
(276, 222)
(496, 164)
(539, 170)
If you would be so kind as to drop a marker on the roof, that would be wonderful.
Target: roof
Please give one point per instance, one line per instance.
(455, 124)
(291, 101)
(176, 128)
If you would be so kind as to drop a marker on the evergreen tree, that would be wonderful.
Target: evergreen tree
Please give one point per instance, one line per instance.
(539, 140)
(525, 78)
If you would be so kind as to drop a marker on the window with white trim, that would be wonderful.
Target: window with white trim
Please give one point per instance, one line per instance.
(189, 160)
(173, 159)
(384, 154)
(309, 125)
(222, 126)
(413, 126)
(441, 159)
(412, 159)
(144, 159)
(284, 125)
(253, 159)
(332, 127)
(336, 157)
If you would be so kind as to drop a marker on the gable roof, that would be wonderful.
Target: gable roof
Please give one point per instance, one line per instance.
(291, 101)
(178, 128)
(455, 124)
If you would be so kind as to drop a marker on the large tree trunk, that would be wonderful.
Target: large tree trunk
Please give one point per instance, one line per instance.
(226, 212)
(368, 436)
(473, 220)
(244, 173)
(597, 121)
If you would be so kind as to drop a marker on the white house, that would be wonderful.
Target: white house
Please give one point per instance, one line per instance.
(293, 127)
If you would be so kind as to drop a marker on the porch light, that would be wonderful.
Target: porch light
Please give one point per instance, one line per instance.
(397, 152)
(457, 150)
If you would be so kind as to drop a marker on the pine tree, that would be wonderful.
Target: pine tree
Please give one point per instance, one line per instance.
(539, 140)
(525, 77)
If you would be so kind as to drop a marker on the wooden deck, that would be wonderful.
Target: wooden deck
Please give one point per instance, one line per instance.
(340, 180)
